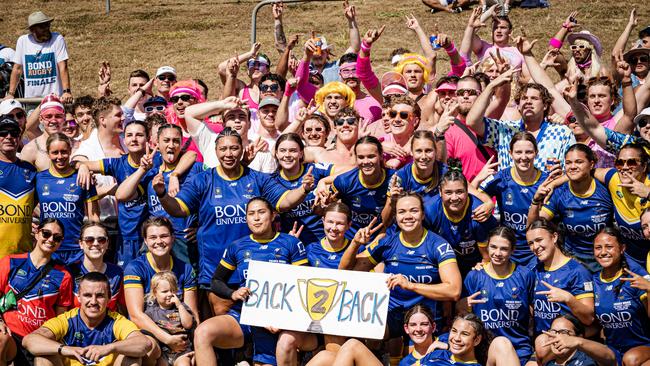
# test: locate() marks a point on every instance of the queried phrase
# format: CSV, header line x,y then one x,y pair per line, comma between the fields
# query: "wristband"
x,y
555,43
451,48
365,47
535,202
60,349
625,84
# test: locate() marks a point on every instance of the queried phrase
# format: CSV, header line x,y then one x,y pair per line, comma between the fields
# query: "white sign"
x,y
316,300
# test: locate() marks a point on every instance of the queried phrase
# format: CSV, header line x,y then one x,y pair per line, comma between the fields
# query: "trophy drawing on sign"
x,y
320,296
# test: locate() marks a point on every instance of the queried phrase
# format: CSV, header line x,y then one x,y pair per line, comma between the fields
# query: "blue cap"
x,y
155,100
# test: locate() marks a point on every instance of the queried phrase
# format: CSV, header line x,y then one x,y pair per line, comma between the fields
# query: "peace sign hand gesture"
x,y
636,281
308,181
474,299
555,294
363,235
296,231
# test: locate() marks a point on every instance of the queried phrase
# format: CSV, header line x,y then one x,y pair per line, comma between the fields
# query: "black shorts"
x,y
23,357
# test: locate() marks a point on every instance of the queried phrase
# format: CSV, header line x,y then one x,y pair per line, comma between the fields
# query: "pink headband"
x,y
180,90
446,86
52,105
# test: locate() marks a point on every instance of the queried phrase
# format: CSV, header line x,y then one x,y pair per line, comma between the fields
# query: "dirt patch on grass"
x,y
194,36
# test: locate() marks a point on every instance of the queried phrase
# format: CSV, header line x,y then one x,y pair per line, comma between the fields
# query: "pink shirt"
x,y
512,53
369,108
461,146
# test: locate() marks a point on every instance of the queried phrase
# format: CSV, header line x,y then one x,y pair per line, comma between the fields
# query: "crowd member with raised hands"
x,y
514,189
158,235
229,282
404,115
94,243
638,56
49,291
217,201
144,179
567,342
501,284
51,116
313,128
457,224
257,65
562,285
410,282
60,197
289,151
620,290
583,205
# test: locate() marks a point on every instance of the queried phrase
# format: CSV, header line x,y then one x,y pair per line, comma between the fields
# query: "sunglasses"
x,y
642,123
252,64
575,47
636,59
631,163
462,92
342,121
272,88
167,77
48,117
151,108
18,115
14,133
184,98
402,115
46,234
316,129
91,239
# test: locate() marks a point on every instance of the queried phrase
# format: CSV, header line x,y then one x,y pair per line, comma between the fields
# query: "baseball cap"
x,y
37,17
446,86
269,101
154,100
644,113
51,101
9,105
393,83
165,70
8,123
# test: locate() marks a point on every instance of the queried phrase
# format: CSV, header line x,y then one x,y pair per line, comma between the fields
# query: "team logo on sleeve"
x,y
589,286
217,193
46,190
509,198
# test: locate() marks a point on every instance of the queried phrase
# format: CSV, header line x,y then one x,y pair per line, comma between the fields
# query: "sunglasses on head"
x,y
184,98
254,64
91,239
575,47
272,88
167,77
402,115
18,115
631,163
349,120
641,58
462,92
151,108
14,133
55,237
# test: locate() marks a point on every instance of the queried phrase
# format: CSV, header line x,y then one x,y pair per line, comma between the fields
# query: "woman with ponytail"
x,y
621,299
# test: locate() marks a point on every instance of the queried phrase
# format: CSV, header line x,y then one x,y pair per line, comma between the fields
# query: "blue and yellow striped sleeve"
x,y
59,324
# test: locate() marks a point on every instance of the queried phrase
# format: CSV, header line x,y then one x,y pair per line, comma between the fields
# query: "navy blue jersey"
x,y
138,274
514,198
366,202
579,358
130,214
444,357
427,188
303,214
572,277
621,311
61,198
507,310
420,263
115,276
17,187
321,254
283,248
465,235
582,216
156,209
221,206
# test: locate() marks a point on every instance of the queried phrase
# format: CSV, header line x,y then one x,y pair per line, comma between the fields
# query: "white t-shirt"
x,y
6,55
92,150
206,140
39,61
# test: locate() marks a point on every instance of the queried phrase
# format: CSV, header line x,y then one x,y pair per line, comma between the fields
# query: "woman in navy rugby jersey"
x,y
583,205
263,244
289,152
61,198
403,254
514,189
621,299
451,216
563,285
501,293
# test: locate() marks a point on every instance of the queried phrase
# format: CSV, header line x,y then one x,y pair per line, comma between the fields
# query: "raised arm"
x,y
540,76
128,190
278,30
593,128
621,42
282,68
413,24
364,68
359,262
195,114
139,94
355,38
222,68
475,115
230,87
470,41
623,71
